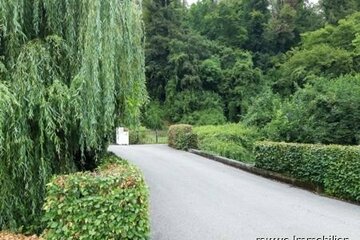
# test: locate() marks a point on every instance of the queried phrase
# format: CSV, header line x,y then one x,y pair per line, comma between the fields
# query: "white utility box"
x,y
122,136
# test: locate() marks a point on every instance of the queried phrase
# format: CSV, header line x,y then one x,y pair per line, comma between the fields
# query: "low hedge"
x,y
181,137
333,168
234,141
109,203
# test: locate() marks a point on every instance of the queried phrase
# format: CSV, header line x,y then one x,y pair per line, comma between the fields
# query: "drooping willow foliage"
x,y
70,70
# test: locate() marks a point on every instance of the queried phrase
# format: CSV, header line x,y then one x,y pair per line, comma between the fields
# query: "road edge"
x,y
250,168
260,172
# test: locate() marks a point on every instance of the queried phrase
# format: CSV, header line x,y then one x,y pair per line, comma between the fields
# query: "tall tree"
x,y
337,9
163,22
328,52
74,69
289,19
220,21
256,15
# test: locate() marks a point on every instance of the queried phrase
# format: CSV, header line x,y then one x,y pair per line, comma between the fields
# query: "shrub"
x,y
137,136
333,168
263,109
325,112
110,203
231,140
181,136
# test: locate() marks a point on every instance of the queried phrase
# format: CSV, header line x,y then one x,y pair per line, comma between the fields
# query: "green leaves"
x,y
181,137
73,71
323,112
234,141
335,9
328,52
110,203
333,168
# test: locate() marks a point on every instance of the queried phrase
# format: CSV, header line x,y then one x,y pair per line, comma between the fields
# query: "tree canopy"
x,y
256,62
70,72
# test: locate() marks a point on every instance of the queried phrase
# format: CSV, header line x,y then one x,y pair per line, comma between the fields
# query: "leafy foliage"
x,y
305,65
324,112
288,69
163,23
110,203
181,137
74,69
336,10
263,109
328,52
153,115
241,84
219,21
197,74
137,135
234,141
289,19
336,169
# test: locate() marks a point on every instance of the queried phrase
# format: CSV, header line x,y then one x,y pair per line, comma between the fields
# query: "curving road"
x,y
193,198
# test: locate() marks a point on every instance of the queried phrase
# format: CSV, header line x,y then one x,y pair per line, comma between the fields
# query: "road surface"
x,y
193,198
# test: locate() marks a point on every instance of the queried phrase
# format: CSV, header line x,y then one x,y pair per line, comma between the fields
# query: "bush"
x,y
333,168
231,140
324,112
181,136
137,136
263,109
110,203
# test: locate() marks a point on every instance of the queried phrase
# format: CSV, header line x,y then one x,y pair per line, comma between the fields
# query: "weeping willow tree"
x,y
70,71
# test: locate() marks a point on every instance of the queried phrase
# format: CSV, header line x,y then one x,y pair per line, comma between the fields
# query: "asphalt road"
x,y
193,198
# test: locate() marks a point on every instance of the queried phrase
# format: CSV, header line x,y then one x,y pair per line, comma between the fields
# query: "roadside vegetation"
x,y
333,169
111,202
234,141
228,73
247,71
70,72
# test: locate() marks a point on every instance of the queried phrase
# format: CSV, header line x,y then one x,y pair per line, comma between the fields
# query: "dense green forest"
x,y
289,68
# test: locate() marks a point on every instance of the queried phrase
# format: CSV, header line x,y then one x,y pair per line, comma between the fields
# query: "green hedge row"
x,y
335,169
110,203
234,141
181,136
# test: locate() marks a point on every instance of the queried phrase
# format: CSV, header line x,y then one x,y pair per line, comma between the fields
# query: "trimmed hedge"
x,y
234,141
110,203
181,137
333,168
